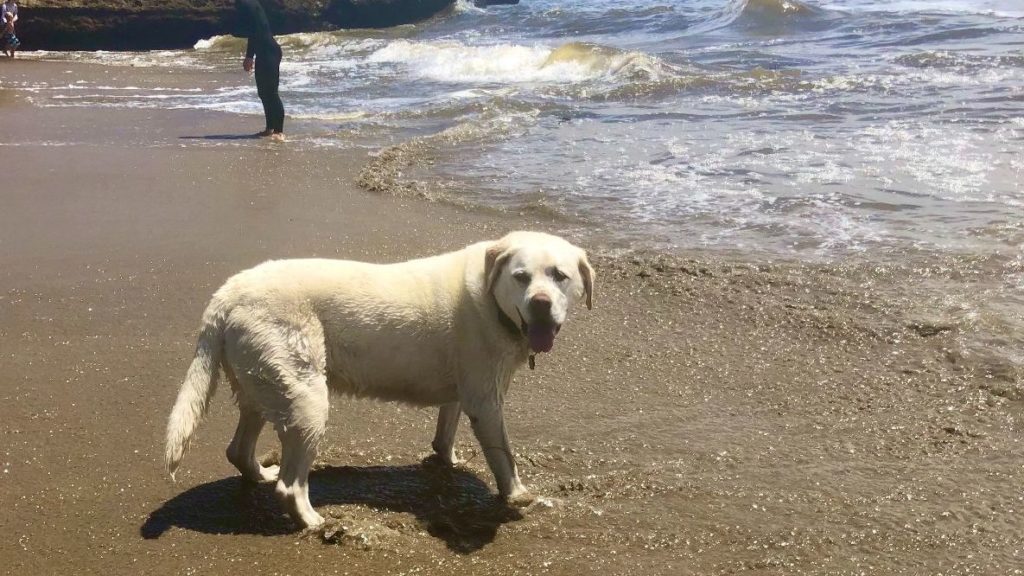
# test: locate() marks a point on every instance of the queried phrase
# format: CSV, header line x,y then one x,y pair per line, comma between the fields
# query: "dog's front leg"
x,y
444,439
489,427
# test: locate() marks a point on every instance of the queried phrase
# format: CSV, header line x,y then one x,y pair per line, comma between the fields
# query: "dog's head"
x,y
535,279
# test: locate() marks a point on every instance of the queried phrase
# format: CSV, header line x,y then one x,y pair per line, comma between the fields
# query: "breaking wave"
x,y
455,62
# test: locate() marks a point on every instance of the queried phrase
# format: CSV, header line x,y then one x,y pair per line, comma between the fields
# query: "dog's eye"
x,y
557,275
521,276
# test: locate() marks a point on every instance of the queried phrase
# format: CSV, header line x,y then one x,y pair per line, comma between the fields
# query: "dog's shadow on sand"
x,y
451,504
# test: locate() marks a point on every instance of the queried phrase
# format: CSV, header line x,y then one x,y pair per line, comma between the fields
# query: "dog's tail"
x,y
197,389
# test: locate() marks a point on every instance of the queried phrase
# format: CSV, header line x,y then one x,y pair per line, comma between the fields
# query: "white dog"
x,y
449,330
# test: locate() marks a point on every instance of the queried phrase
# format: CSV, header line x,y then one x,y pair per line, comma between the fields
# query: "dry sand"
x,y
714,414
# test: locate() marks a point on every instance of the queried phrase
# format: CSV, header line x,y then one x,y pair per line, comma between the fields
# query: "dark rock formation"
x,y
381,13
165,24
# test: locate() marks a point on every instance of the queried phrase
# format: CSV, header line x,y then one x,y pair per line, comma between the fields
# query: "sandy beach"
x,y
714,413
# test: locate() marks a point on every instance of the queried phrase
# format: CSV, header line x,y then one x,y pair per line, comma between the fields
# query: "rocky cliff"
x,y
162,24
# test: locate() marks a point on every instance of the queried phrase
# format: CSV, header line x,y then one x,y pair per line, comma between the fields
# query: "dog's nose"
x,y
540,305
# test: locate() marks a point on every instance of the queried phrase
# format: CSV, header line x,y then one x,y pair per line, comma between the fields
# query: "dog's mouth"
x,y
541,335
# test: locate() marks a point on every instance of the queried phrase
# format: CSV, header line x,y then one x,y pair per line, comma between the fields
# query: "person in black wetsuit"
x,y
266,53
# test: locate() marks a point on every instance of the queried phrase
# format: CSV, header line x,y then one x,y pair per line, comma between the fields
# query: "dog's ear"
x,y
494,260
587,274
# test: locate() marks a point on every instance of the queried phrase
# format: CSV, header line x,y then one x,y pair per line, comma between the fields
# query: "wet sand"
x,y
714,414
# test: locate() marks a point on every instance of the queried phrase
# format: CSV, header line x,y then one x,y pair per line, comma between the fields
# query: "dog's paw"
x,y
520,500
440,461
541,503
446,457
269,473
308,519
528,503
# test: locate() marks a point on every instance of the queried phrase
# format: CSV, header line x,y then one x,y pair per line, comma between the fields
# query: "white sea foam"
x,y
467,6
212,42
84,85
950,162
455,62
123,97
915,79
1007,8
152,59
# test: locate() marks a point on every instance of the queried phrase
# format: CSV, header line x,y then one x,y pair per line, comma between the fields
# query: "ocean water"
x,y
877,132
881,134
814,129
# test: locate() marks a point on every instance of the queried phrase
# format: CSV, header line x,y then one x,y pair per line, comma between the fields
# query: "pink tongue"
x,y
542,338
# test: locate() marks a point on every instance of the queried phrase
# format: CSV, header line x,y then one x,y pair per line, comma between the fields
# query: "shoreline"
x,y
712,414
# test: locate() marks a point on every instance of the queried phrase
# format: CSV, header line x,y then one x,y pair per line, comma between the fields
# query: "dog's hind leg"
x,y
300,435
242,450
280,368
444,438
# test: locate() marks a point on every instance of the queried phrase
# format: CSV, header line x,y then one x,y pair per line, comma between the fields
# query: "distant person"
x,y
8,16
266,53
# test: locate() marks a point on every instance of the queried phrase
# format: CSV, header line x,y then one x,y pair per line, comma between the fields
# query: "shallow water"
x,y
889,132
813,129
